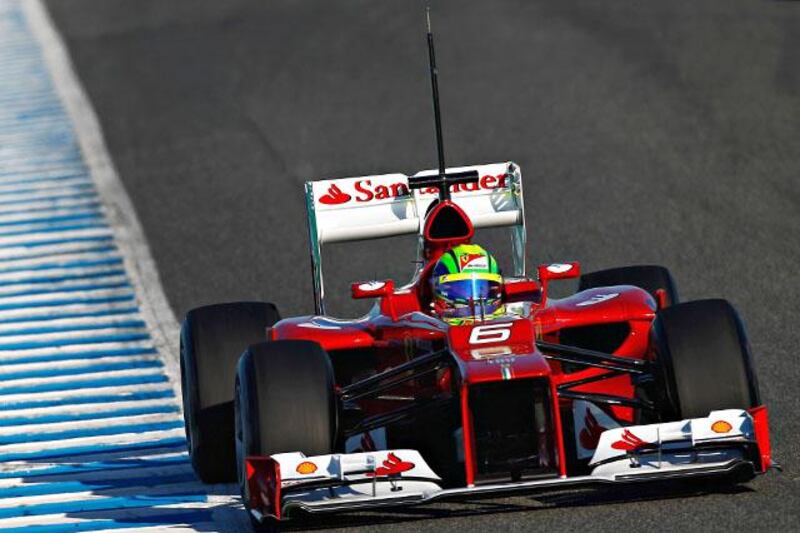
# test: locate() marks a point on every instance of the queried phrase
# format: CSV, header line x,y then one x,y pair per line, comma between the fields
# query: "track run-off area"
x,y
91,430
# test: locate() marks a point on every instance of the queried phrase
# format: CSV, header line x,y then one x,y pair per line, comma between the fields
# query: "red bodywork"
x,y
401,330
424,382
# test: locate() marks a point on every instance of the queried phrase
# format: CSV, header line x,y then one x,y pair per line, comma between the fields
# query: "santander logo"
x,y
334,196
629,442
392,466
365,191
590,434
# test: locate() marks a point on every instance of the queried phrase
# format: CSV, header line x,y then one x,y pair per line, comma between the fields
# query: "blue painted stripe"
x,y
60,316
91,248
49,198
84,384
21,146
39,124
35,436
71,341
118,502
84,184
51,242
93,449
80,370
123,324
83,400
193,516
22,115
61,290
76,470
97,486
91,204
96,214
35,280
55,229
94,415
67,301
59,265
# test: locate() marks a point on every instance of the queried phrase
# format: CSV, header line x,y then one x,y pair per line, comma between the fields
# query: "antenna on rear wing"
x,y
444,191
443,181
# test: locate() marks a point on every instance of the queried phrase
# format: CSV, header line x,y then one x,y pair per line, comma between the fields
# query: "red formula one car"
x,y
464,383
617,383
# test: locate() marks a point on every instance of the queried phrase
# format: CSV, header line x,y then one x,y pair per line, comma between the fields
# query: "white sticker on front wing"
x,y
597,298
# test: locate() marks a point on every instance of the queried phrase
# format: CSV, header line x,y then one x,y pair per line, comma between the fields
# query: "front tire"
x,y
284,402
704,359
212,339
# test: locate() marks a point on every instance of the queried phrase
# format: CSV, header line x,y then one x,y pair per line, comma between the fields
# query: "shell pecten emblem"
x,y
306,467
721,426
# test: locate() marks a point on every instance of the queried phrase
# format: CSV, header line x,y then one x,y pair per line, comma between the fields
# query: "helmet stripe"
x,y
450,262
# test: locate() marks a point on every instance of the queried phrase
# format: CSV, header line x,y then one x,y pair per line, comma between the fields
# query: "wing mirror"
x,y
557,271
517,290
371,289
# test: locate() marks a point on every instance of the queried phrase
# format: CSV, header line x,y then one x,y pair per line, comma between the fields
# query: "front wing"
x,y
724,442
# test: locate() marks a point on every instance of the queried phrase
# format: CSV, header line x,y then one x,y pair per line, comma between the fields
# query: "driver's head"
x,y
467,285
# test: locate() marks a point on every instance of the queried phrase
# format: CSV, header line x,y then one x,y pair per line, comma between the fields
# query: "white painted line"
x,y
18,277
74,351
151,512
73,397
63,261
80,379
74,365
16,343
124,438
44,312
16,289
81,409
32,239
88,425
59,187
118,476
181,458
20,218
44,298
71,322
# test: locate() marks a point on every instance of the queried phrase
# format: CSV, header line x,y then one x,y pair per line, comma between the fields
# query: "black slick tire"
x,y
284,402
212,340
703,360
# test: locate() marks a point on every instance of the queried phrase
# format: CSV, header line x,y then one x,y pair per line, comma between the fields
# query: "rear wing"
x,y
374,207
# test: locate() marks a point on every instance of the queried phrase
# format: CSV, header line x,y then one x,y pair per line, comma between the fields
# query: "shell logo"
x,y
721,426
306,467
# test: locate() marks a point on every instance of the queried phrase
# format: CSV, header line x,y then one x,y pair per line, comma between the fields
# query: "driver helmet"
x,y
467,285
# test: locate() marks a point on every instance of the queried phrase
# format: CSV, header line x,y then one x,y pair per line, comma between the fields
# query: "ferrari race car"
x,y
618,383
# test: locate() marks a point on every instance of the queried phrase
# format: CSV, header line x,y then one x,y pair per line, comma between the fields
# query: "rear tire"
x,y
212,339
648,277
704,358
284,402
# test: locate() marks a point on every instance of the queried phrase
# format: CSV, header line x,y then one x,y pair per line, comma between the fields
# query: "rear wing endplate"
x,y
374,207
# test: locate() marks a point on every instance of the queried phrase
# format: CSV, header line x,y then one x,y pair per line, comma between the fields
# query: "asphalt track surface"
x,y
647,133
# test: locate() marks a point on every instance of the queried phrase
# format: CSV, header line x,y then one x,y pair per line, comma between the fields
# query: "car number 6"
x,y
490,333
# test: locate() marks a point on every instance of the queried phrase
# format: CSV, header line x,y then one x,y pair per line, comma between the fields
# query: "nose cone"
x,y
497,350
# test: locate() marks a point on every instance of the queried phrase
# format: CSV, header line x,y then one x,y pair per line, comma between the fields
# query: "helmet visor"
x,y
468,294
